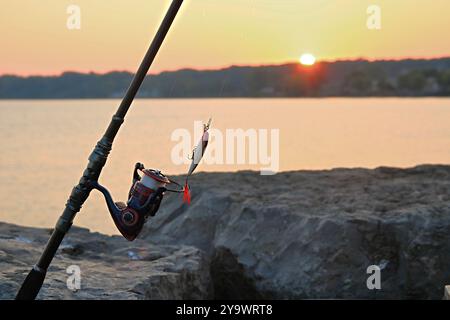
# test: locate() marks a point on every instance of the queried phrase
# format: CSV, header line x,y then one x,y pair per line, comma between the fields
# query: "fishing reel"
x,y
147,192
144,199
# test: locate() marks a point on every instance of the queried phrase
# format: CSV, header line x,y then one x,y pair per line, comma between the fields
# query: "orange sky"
x,y
115,34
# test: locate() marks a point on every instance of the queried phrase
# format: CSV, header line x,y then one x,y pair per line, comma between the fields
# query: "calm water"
x,y
45,144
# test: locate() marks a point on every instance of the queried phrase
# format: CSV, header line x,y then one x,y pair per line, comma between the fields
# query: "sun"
x,y
307,59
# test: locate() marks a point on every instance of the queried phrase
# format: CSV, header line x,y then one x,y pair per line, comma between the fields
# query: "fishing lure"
x,y
197,155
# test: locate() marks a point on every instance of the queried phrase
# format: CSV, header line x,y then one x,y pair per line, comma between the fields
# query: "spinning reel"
x,y
144,199
147,192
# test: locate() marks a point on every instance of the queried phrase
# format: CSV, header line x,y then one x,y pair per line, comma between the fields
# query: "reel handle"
x,y
180,189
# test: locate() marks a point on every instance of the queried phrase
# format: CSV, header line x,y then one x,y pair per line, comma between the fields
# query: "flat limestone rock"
x,y
110,267
314,234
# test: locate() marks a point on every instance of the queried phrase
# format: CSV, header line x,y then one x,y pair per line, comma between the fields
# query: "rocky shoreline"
x,y
110,266
295,235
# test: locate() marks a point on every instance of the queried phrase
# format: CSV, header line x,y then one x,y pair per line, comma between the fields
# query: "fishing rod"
x,y
34,280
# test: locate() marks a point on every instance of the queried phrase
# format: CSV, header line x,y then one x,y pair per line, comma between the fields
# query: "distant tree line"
x,y
341,78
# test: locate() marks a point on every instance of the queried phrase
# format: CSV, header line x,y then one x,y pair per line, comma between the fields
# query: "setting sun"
x,y
307,59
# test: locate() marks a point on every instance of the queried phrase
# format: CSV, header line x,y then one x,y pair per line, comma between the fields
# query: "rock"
x,y
313,234
108,270
305,234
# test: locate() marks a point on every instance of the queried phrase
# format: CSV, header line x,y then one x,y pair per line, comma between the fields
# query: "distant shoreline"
x,y
237,98
220,68
343,79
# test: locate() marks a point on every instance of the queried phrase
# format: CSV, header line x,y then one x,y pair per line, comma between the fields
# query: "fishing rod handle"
x,y
35,278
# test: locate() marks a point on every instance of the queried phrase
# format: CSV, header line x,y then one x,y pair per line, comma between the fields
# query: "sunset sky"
x,y
115,34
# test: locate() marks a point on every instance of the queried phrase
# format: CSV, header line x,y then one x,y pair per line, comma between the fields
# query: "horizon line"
x,y
220,68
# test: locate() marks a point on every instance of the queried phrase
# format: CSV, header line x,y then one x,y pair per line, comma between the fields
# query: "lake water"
x,y
45,144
